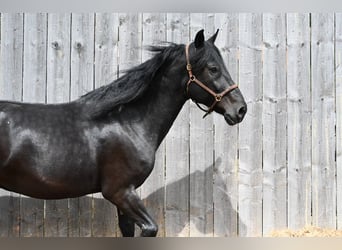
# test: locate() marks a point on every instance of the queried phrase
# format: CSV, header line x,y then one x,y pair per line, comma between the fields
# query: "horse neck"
x,y
161,104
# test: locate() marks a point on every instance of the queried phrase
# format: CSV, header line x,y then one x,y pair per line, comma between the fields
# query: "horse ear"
x,y
199,39
213,38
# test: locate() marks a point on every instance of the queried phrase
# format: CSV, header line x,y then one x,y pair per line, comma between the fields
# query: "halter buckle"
x,y
188,67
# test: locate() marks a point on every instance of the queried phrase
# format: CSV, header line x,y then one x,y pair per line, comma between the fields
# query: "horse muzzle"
x,y
236,117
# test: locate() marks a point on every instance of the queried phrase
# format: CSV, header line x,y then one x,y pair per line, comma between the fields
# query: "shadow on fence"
x,y
156,198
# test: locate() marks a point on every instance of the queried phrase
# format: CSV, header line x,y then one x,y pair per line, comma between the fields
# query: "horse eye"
x,y
213,69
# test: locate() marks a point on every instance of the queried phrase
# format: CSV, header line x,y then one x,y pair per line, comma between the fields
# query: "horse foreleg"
x,y
133,209
126,225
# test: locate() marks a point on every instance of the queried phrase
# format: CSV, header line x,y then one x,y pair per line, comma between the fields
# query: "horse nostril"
x,y
242,111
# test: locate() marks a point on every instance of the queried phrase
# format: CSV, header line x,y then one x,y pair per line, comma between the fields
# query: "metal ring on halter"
x,y
218,98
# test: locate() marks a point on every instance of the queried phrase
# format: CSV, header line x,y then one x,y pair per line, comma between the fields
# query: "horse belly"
x,y
32,184
39,170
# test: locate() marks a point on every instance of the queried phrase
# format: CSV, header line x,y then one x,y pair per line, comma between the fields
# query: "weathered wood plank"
x,y
12,54
274,122
177,148
58,59
225,191
106,48
323,121
82,54
58,90
201,151
11,89
130,41
250,130
104,218
154,31
299,120
338,96
34,90
35,39
82,81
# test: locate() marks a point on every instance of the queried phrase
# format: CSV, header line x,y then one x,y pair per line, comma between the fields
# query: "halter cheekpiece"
x,y
193,79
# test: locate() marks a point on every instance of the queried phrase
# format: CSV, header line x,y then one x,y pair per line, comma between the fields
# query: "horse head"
x,y
210,82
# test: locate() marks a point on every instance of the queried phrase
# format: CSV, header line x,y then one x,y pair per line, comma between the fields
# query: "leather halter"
x,y
193,79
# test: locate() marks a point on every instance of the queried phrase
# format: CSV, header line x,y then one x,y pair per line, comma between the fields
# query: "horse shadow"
x,y
212,215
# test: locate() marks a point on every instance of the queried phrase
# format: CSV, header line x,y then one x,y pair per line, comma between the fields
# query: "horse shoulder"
x,y
125,155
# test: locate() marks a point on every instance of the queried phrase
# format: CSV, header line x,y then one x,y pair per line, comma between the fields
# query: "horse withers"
x,y
106,140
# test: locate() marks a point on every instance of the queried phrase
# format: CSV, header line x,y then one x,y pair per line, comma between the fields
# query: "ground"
x,y
308,231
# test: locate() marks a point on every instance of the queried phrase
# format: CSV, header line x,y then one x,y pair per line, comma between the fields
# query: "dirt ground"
x,y
308,231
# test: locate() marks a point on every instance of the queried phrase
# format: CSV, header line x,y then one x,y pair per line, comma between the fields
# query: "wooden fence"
x,y
280,168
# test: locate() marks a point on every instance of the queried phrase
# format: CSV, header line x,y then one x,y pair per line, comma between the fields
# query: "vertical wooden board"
x,y
201,151
12,50
106,46
56,218
299,120
250,130
225,190
31,217
104,218
152,191
74,208
11,89
130,40
34,90
338,67
129,48
274,120
323,121
58,90
58,58
82,81
177,148
82,54
35,41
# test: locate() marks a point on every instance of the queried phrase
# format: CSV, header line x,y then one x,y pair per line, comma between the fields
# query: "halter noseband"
x,y
193,79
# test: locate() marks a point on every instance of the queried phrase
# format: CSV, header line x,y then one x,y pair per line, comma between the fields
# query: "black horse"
x,y
106,140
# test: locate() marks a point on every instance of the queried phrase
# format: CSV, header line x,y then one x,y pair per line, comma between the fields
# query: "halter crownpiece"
x,y
193,79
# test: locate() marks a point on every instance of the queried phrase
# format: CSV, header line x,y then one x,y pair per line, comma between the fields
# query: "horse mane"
x,y
132,85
